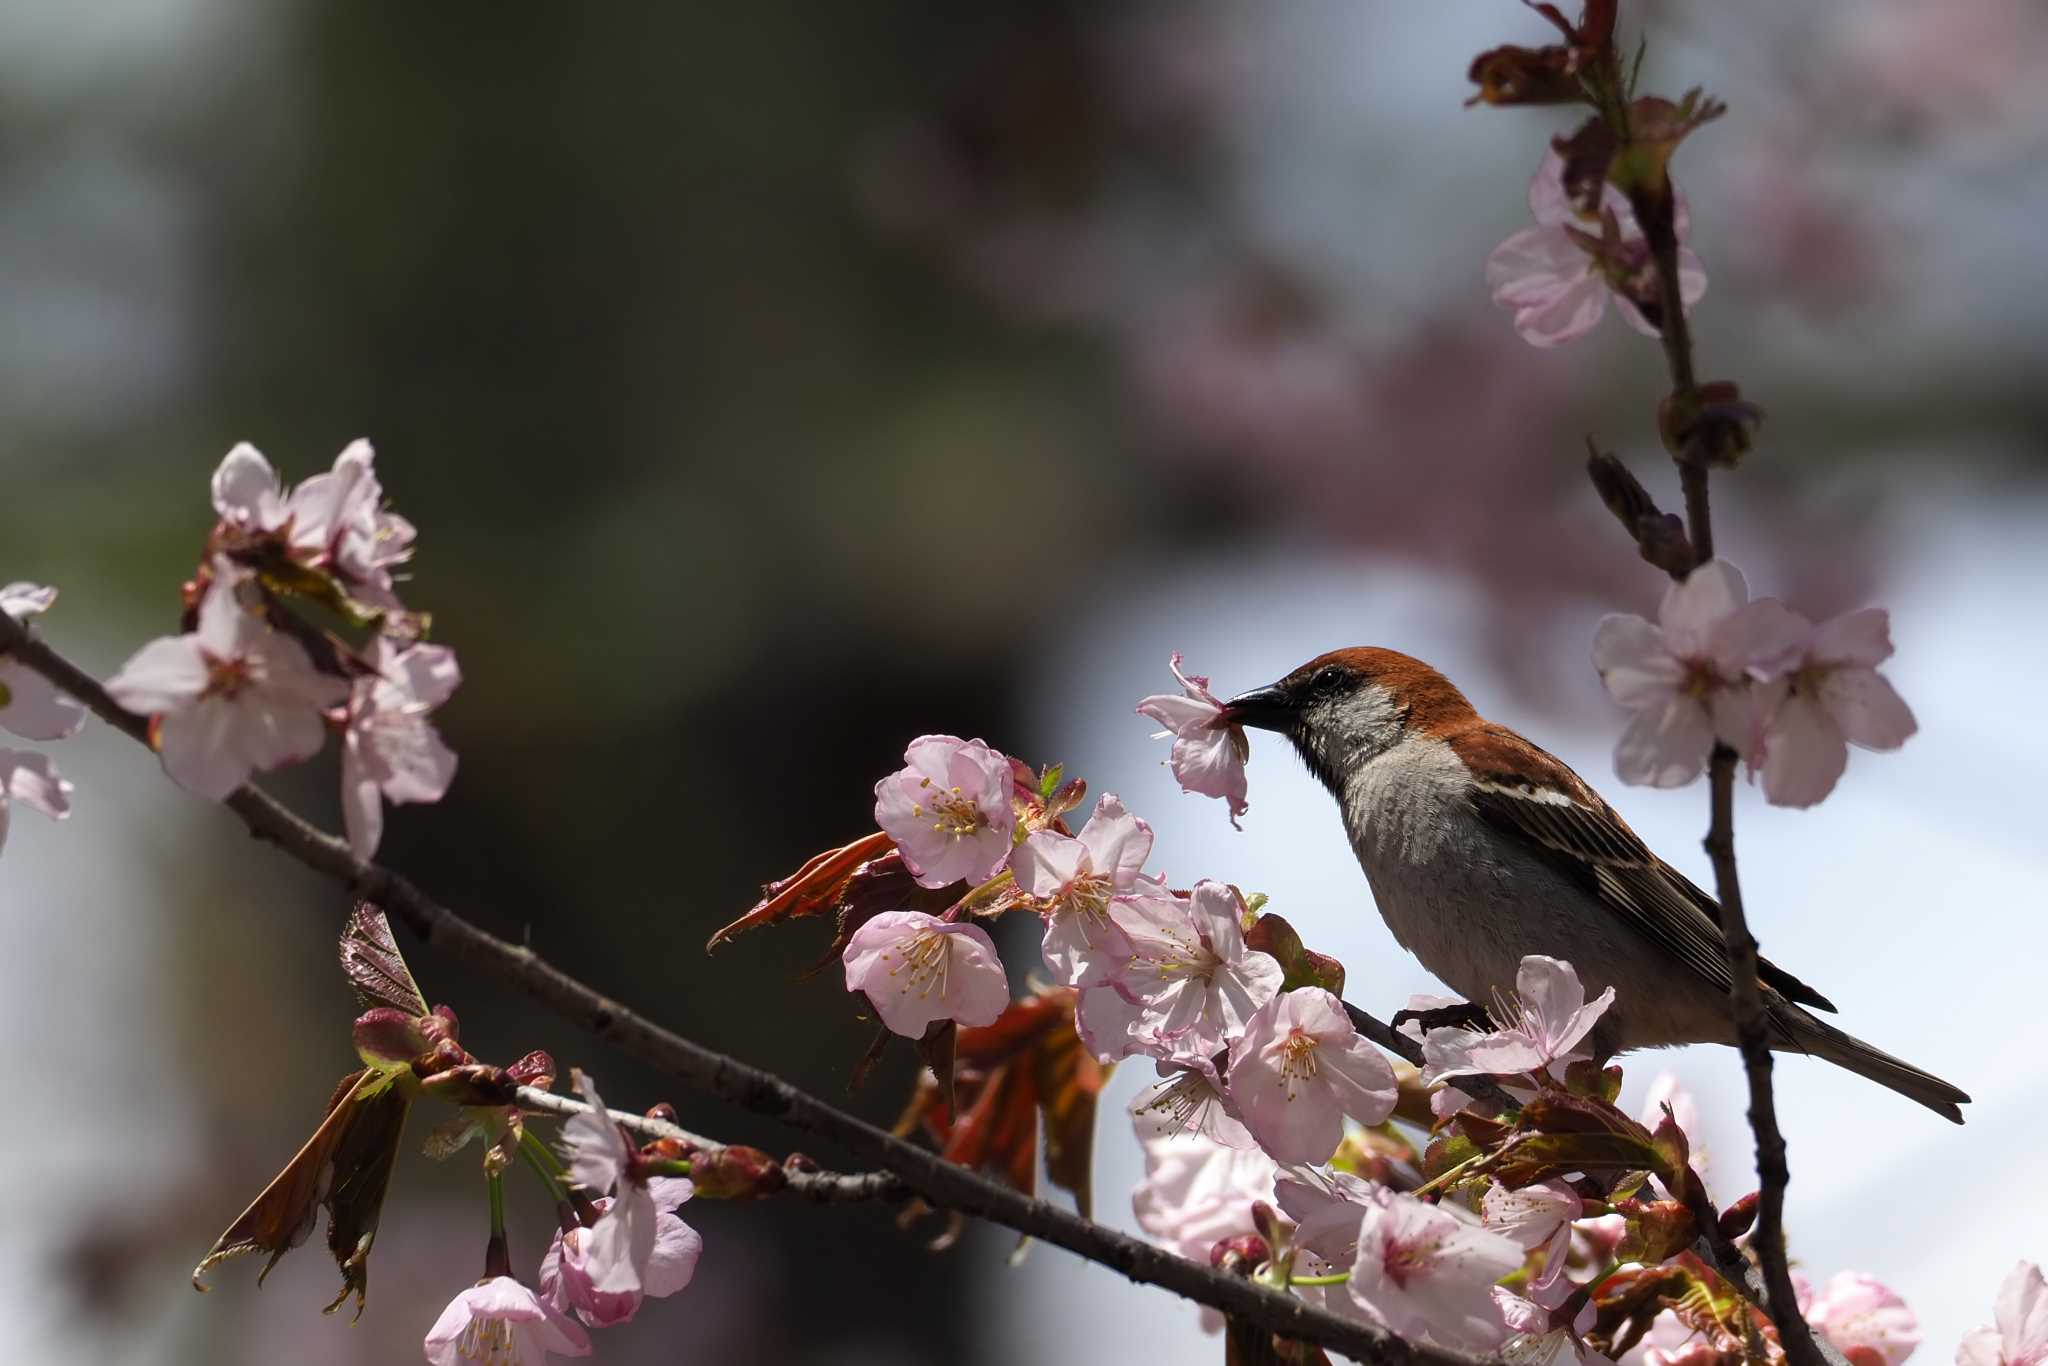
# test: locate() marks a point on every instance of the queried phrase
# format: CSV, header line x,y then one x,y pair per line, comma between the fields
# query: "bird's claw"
x,y
1465,1015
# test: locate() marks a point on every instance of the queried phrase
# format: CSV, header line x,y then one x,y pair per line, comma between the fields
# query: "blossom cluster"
x,y
33,709
252,684
1786,695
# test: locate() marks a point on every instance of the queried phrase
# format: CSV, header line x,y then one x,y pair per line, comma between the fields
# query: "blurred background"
x,y
774,383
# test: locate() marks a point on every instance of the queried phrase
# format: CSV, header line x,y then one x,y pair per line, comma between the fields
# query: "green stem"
x,y
498,1252
1332,1278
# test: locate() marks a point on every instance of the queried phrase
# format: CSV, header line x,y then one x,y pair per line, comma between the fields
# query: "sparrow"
x,y
1481,847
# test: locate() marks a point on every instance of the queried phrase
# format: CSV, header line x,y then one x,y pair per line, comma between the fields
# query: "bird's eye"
x,y
1326,677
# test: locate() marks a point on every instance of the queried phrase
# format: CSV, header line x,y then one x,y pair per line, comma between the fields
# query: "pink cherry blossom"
x,y
1534,1217
500,1320
1189,985
1666,1089
1541,1029
948,809
32,780
1208,757
1427,1272
1534,1342
916,968
615,1251
565,1272
2021,1337
30,706
1300,1069
1074,879
1687,678
1189,1098
334,521
234,696
1865,1319
1197,1192
1327,1207
390,749
1558,275
1830,697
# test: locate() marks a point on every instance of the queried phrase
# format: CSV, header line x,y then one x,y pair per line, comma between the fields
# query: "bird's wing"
x,y
1529,795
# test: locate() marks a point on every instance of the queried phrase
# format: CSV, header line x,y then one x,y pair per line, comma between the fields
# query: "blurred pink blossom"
x,y
948,809
565,1274
1197,1192
1558,275
30,706
613,1254
234,696
32,780
916,968
1866,1319
335,520
1300,1069
2021,1313
1189,1098
1208,757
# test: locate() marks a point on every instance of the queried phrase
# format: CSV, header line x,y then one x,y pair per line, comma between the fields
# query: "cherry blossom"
x,y
1831,697
1300,1069
1208,756
334,520
30,706
1189,1098
2021,1337
1327,1207
500,1320
1558,275
1534,1342
390,749
1427,1272
1073,878
32,780
1541,1028
566,1278
1866,1319
1666,1089
948,809
1687,677
916,968
1197,1192
233,696
1189,985
615,1251
1534,1217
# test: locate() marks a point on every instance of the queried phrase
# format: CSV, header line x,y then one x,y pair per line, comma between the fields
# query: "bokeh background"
x,y
773,383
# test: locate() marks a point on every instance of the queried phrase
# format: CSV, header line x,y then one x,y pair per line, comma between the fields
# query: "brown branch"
x,y
1752,1022
941,1184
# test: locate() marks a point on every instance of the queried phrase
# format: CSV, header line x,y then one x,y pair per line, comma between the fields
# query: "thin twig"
x,y
940,1183
823,1187
1752,1021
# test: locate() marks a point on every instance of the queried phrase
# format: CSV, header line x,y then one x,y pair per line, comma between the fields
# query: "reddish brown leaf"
x,y
811,889
1026,1070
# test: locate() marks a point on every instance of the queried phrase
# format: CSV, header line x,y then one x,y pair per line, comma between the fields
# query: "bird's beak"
x,y
1267,708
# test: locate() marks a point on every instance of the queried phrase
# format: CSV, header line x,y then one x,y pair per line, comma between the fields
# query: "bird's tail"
x,y
1808,1035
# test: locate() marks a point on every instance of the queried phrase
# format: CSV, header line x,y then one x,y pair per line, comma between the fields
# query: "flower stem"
x,y
1331,1278
498,1252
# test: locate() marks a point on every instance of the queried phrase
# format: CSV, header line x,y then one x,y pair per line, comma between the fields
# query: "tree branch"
x,y
922,1172
1752,1022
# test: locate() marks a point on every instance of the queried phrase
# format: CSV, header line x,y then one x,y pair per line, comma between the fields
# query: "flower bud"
x,y
441,1025
388,1038
536,1069
1240,1255
1736,1219
472,1083
735,1173
1526,75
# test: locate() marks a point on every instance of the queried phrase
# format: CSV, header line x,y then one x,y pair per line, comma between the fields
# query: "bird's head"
x,y
1348,707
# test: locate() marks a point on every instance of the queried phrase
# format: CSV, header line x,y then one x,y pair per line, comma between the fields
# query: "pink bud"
x,y
386,1037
